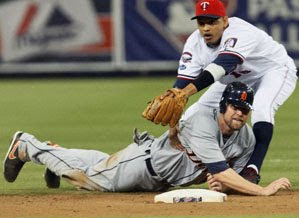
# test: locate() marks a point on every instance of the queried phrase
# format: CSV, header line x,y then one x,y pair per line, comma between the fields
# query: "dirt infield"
x,y
142,204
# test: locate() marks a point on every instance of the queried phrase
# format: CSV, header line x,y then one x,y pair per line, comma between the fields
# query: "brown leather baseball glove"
x,y
166,108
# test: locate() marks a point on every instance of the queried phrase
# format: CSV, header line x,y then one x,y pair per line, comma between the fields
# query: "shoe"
x,y
52,180
12,163
251,175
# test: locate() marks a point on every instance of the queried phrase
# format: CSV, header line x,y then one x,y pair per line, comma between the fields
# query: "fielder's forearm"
x,y
190,89
234,181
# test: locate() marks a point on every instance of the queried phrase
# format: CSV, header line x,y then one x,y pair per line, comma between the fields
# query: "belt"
x,y
150,167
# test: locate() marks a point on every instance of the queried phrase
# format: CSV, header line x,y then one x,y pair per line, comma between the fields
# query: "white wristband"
x,y
216,71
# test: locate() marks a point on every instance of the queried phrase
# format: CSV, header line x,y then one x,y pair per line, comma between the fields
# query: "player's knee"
x,y
262,115
79,179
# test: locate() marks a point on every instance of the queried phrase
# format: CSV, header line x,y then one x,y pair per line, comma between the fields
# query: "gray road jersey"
x,y
200,135
175,166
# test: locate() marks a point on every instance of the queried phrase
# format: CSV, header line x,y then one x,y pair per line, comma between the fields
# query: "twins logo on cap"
x,y
209,8
204,5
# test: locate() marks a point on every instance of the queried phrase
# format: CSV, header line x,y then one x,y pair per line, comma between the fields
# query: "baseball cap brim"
x,y
205,16
239,103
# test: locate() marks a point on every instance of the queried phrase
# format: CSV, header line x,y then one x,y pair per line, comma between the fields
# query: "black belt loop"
x,y
150,167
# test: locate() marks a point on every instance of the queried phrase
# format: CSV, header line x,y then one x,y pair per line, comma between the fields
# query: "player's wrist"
x,y
215,70
190,90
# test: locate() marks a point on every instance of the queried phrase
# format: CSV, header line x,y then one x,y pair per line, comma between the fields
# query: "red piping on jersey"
x,y
280,88
233,53
185,78
188,53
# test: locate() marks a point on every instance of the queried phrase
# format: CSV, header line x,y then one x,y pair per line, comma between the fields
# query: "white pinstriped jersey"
x,y
266,67
258,51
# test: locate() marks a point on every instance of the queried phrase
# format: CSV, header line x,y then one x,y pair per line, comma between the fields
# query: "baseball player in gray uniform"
x,y
218,143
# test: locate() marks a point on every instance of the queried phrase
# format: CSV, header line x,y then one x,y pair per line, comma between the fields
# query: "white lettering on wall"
x,y
292,41
273,9
293,34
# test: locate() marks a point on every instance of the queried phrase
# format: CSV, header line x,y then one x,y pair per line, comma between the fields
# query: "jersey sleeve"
x,y
189,67
238,42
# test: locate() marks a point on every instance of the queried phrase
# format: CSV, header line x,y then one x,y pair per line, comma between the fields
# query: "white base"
x,y
190,195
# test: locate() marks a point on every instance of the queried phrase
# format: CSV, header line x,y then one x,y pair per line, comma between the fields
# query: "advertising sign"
x,y
39,27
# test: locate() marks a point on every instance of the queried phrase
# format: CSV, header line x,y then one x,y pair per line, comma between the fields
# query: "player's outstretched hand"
x,y
213,184
166,108
275,186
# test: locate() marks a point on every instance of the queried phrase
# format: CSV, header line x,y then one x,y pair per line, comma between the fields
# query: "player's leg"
x,y
91,157
273,90
128,170
68,163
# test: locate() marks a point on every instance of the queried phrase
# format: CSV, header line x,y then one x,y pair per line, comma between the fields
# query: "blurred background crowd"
x,y
119,36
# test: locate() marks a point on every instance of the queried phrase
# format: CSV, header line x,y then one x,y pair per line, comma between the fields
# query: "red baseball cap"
x,y
209,8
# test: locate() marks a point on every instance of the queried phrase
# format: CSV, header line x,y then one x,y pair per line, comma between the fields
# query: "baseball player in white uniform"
x,y
220,147
225,49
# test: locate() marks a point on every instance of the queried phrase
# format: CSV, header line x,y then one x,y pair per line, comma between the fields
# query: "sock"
x,y
263,132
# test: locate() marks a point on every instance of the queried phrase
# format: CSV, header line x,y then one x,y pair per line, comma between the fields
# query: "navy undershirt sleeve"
x,y
217,167
228,61
181,83
203,80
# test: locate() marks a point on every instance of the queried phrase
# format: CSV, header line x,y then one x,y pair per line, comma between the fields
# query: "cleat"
x,y
12,163
251,175
52,180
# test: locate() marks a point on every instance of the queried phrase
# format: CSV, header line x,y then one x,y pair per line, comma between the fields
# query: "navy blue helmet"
x,y
237,94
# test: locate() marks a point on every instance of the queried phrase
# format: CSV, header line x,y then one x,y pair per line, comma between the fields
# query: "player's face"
x,y
235,117
211,30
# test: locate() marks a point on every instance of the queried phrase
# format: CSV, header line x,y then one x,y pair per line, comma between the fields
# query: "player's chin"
x,y
237,124
209,40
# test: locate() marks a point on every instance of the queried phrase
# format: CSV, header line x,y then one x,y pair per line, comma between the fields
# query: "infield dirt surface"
x,y
141,204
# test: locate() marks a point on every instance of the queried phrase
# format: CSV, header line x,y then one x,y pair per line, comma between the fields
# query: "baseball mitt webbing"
x,y
166,108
